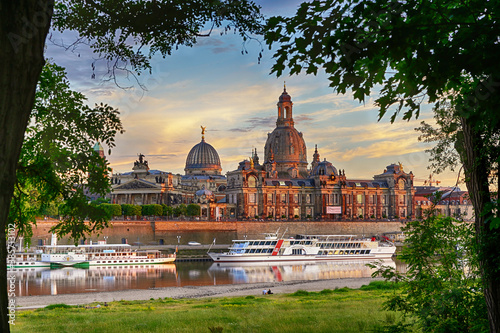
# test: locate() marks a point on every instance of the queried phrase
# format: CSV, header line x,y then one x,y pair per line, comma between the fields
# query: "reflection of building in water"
x,y
97,278
272,272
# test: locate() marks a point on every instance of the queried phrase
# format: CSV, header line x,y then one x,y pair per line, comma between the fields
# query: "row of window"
x,y
122,261
330,199
444,202
339,245
343,252
255,243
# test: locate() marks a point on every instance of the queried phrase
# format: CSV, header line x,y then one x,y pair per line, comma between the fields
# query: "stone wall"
x,y
145,232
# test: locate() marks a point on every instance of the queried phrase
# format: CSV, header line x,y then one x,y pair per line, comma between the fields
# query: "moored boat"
x,y
305,248
102,254
83,256
28,260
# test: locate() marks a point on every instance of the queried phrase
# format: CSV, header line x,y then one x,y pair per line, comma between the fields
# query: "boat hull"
x,y
123,262
222,257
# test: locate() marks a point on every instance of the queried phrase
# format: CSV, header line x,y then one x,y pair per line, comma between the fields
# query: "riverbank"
x,y
33,302
225,309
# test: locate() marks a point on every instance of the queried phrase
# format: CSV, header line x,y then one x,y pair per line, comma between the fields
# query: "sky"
x,y
216,86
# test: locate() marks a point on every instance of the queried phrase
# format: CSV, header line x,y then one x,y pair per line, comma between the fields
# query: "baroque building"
x,y
283,186
202,182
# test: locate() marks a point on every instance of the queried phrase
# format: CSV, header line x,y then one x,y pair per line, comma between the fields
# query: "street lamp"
x,y
178,239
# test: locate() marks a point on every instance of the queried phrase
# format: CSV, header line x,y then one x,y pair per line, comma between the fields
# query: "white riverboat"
x,y
28,260
100,254
305,248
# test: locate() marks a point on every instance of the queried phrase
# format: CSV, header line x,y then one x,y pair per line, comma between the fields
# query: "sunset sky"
x,y
214,85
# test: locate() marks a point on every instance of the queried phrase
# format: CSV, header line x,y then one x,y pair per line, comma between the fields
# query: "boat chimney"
x,y
53,241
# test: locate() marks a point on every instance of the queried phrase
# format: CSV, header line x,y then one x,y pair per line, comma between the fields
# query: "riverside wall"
x,y
181,232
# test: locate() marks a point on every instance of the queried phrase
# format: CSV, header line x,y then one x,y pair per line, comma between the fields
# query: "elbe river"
x,y
43,281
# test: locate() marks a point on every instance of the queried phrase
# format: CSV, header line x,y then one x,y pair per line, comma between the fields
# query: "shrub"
x,y
112,209
326,292
152,210
58,306
193,210
180,210
379,285
300,292
131,210
167,210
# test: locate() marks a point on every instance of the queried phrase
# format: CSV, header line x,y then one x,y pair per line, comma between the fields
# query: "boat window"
x,y
258,251
262,243
268,243
252,251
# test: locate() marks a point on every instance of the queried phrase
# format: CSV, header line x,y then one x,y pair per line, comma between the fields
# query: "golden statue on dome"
x,y
203,132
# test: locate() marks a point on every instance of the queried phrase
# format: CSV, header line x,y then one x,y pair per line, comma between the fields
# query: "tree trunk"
x,y
23,28
477,171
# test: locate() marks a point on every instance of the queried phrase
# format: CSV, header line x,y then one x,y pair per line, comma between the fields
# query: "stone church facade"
x,y
283,186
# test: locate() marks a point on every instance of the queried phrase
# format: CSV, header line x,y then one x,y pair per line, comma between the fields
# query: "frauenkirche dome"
x,y
285,145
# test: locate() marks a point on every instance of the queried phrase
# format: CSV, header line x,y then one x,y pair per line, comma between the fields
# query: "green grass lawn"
x,y
341,310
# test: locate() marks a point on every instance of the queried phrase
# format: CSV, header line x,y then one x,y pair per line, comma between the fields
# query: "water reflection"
x,y
42,281
270,272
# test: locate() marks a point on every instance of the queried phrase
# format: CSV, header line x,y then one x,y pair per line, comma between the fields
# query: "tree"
x,y
57,164
152,210
112,209
57,161
193,210
441,286
167,210
180,210
131,210
440,52
109,26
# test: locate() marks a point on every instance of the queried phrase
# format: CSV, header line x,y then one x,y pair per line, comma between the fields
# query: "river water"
x,y
33,281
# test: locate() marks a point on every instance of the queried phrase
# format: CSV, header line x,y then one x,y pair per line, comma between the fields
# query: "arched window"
x,y
252,182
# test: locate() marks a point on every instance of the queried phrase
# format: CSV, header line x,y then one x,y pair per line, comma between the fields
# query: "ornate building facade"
x,y
284,187
202,183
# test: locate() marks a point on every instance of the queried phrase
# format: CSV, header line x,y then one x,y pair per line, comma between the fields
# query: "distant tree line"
x,y
150,210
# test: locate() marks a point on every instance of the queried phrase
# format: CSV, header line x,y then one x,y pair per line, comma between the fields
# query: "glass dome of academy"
x,y
203,159
283,185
